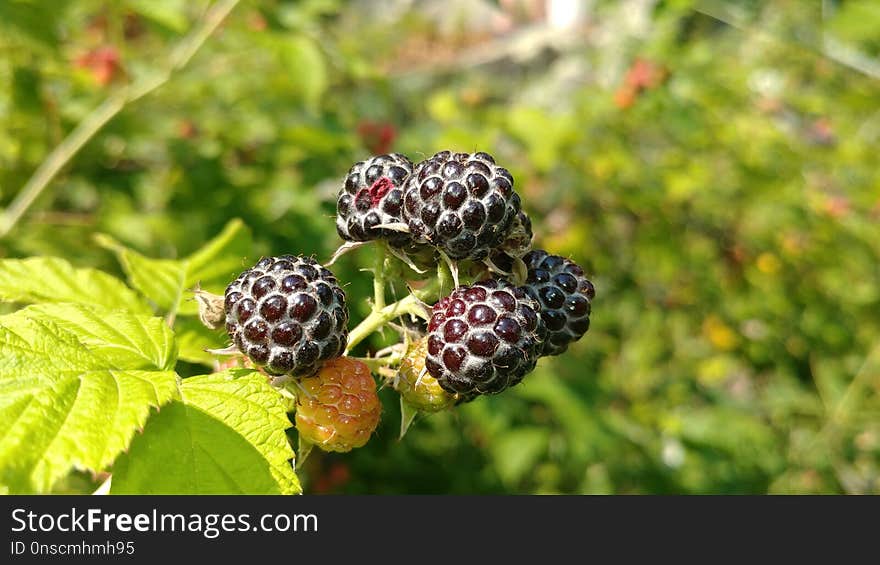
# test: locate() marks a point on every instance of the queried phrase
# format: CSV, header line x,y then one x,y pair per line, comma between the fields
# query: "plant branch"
x,y
98,118
378,318
379,277
375,363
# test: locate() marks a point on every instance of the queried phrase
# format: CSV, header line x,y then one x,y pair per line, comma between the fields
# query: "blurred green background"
x,y
713,165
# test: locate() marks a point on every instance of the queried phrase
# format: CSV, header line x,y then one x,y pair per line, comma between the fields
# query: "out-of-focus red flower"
x,y
378,137
624,97
769,104
642,75
103,63
256,21
335,477
187,129
837,206
821,132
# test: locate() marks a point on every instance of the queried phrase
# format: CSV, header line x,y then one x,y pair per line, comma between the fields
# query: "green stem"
x,y
844,407
444,277
379,277
378,318
374,363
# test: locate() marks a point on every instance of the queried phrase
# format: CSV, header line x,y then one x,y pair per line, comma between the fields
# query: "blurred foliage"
x,y
713,165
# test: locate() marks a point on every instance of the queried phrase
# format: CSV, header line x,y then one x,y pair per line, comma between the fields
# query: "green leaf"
x,y
52,280
742,436
65,406
517,451
225,436
193,338
169,13
122,339
33,23
304,60
168,282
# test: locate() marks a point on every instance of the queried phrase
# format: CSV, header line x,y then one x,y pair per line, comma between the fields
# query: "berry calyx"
x,y
507,257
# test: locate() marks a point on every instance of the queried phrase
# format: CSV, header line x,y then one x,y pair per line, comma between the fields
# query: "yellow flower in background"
x,y
793,244
768,263
719,334
714,371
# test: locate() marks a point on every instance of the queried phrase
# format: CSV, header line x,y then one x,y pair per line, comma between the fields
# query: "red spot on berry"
x,y
379,189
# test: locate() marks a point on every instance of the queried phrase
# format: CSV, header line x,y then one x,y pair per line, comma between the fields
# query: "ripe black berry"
x,y
462,203
372,195
483,338
565,296
287,314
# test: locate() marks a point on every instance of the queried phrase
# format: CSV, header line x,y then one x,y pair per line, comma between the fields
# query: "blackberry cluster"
x,y
483,338
372,195
461,203
287,314
565,296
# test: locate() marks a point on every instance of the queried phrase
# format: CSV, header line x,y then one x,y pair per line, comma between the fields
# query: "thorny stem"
x,y
115,103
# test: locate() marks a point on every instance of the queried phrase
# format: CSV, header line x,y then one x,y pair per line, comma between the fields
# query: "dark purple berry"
x,y
273,308
462,204
286,315
483,338
375,186
565,296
